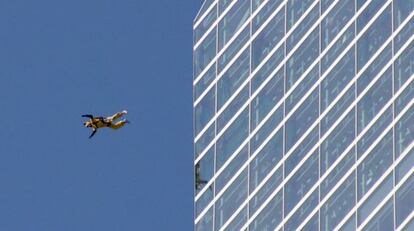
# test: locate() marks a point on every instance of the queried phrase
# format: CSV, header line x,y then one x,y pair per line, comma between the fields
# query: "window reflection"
x,y
376,66
302,28
337,48
230,201
295,9
206,222
232,138
232,168
268,68
266,99
404,66
205,110
233,49
301,89
232,79
383,220
404,200
238,222
374,37
375,199
268,127
302,150
337,110
270,216
232,108
302,119
336,20
204,53
205,24
404,132
204,140
204,82
266,160
267,39
402,8
376,129
233,21
336,143
264,13
302,58
268,188
374,100
338,205
337,79
300,214
374,165
301,182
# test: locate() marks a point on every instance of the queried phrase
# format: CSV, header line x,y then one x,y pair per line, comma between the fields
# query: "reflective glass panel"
x,y
266,160
232,79
267,39
268,127
374,100
336,20
230,201
383,220
268,188
264,13
336,143
337,79
204,53
301,182
205,223
302,119
233,21
302,58
404,200
232,168
374,199
268,68
295,9
232,138
205,24
270,216
372,71
204,140
234,106
302,212
266,99
374,165
302,28
205,110
233,49
374,37
338,205
204,82
404,66
301,89
404,131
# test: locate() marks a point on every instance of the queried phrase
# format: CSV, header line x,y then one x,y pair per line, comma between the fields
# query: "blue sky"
x,y
61,59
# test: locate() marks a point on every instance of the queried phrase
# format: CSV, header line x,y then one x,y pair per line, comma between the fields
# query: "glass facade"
x,y
304,115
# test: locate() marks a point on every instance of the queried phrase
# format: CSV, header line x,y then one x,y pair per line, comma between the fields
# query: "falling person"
x,y
100,122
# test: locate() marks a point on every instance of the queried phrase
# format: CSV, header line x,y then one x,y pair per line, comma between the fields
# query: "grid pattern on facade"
x,y
304,115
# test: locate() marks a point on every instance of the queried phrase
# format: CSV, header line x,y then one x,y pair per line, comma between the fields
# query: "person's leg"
x,y
119,124
116,116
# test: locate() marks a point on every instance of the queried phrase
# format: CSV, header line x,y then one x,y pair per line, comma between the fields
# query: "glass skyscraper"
x,y
304,115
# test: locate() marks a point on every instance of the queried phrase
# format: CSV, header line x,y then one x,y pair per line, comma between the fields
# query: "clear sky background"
x,y
60,59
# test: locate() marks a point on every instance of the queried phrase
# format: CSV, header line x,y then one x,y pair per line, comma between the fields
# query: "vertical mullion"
x,y
319,105
356,111
393,113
